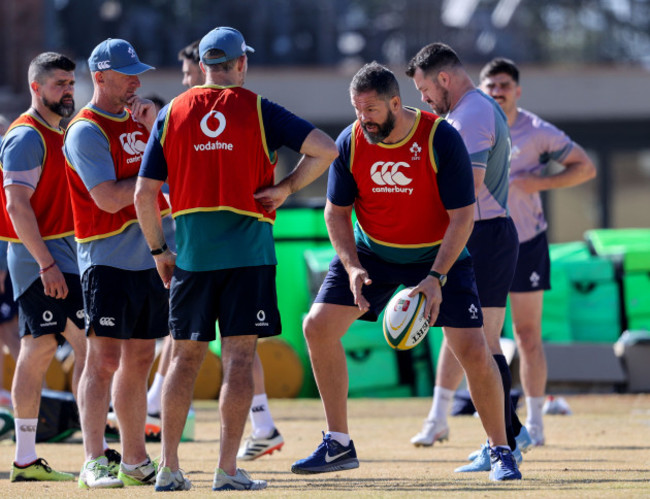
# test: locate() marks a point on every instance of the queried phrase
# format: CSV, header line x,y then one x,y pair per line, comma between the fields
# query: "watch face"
x,y
443,279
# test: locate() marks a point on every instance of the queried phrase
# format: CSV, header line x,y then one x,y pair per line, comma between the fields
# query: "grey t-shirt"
x,y
484,128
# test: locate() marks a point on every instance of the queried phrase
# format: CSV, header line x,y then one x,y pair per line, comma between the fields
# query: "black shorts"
x,y
39,314
460,304
533,271
494,246
125,304
244,301
8,307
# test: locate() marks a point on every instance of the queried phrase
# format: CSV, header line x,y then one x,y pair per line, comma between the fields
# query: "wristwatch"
x,y
441,277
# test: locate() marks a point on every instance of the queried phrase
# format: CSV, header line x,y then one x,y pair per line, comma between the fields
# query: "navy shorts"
x,y
8,307
39,314
460,304
125,304
494,246
533,271
244,301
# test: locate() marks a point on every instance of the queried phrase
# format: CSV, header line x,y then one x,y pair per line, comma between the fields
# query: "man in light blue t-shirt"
x,y
441,79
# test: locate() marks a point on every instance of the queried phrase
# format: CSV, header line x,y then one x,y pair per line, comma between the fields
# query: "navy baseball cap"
x,y
118,55
228,40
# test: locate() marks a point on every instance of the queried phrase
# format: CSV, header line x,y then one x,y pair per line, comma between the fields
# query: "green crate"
x,y
399,391
639,322
636,289
575,261
593,301
300,223
632,245
365,335
596,332
372,368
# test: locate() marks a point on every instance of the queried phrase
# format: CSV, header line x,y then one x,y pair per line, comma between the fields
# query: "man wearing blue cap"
x,y
123,296
216,146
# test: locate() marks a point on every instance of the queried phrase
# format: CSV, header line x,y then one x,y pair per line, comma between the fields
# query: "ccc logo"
x,y
209,131
131,144
388,173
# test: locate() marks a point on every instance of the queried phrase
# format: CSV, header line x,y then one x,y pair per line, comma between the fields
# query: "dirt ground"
x,y
601,450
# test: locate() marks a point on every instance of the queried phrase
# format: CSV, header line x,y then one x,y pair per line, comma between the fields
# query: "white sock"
x,y
342,438
105,445
131,467
25,441
534,406
441,406
154,395
260,415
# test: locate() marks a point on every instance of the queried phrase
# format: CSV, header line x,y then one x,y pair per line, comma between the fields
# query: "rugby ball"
x,y
404,322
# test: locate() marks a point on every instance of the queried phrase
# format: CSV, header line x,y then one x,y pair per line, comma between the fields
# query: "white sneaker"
x,y
252,448
536,433
166,480
95,475
432,431
556,405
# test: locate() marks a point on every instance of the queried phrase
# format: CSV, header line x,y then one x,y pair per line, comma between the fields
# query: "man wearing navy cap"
x,y
123,296
217,147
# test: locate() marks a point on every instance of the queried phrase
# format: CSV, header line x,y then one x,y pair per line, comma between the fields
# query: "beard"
x,y
443,106
62,109
383,130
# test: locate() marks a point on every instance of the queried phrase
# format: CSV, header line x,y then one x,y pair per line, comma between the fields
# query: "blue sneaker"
x,y
524,441
524,444
330,455
481,461
504,466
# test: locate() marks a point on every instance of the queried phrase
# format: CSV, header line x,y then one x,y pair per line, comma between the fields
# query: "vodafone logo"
x,y
207,127
207,130
132,144
388,174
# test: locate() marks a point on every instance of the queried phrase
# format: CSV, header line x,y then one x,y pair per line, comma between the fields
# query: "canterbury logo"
x,y
131,144
257,408
107,321
388,173
209,131
103,65
26,427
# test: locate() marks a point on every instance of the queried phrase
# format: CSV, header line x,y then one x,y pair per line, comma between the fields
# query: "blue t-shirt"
x,y
221,239
455,185
88,150
21,156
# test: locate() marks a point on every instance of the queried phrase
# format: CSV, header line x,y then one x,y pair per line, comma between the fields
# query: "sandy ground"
x,y
602,450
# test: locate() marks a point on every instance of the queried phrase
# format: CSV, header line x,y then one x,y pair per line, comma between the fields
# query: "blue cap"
x,y
118,55
228,40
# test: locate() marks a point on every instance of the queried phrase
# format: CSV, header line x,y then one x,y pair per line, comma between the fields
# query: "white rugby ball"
x,y
404,323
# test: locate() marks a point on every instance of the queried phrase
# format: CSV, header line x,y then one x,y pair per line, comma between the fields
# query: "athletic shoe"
x,y
7,424
145,474
504,466
330,455
524,442
239,481
38,471
167,481
556,405
432,431
252,448
95,475
153,428
114,460
480,463
536,433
